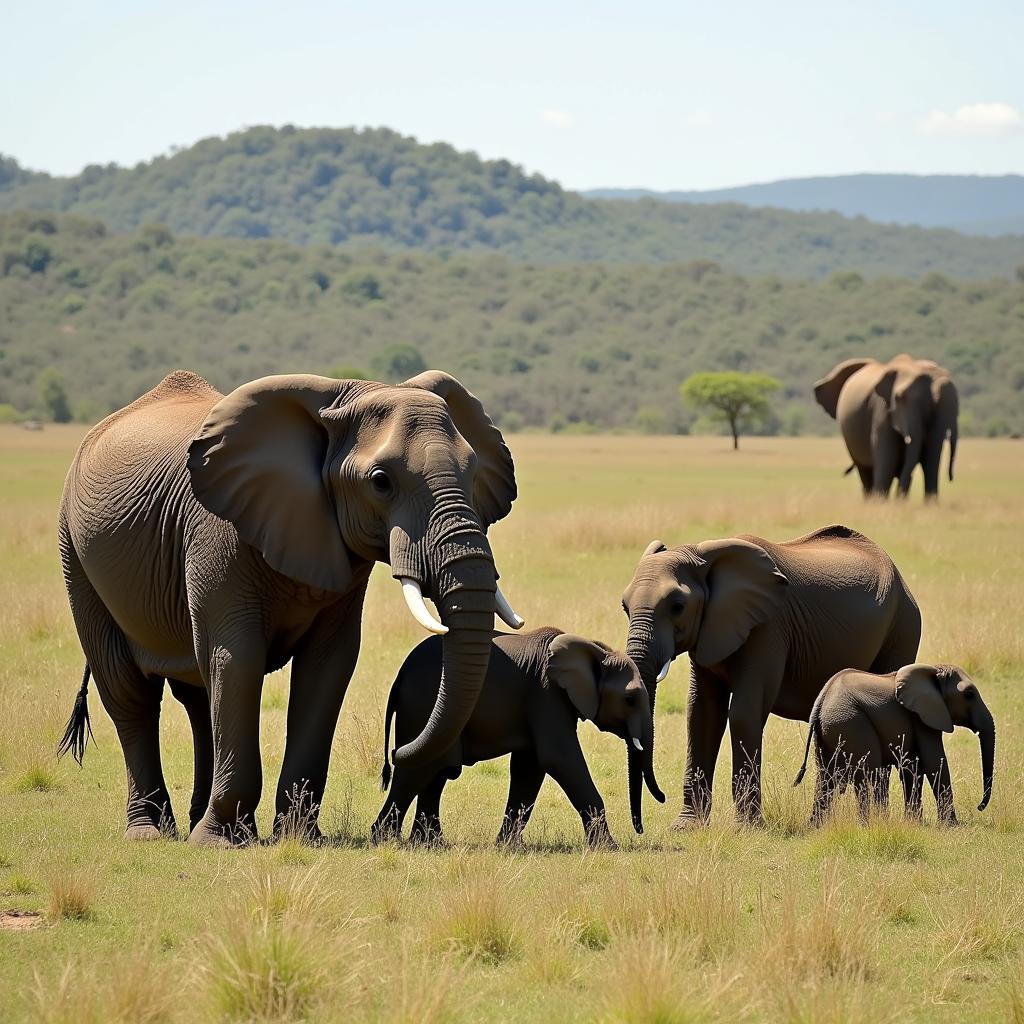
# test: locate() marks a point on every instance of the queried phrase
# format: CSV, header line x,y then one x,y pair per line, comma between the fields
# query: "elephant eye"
x,y
380,482
631,700
677,609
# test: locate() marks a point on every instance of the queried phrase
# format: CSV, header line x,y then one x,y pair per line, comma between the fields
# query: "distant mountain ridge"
x,y
375,187
973,204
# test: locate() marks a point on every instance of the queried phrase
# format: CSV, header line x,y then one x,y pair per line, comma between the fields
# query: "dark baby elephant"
x,y
538,687
864,725
765,625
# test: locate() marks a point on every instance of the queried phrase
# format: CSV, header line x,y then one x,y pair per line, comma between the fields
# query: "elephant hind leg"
x,y
389,822
130,698
866,478
426,826
196,702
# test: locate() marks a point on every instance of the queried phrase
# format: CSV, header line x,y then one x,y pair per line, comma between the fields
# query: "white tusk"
x,y
639,746
414,599
505,611
664,670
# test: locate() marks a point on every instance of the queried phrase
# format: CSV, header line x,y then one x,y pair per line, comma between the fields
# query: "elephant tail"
x,y
79,729
385,772
812,728
952,449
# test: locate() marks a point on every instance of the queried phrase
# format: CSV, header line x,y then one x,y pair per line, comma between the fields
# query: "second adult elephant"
x,y
208,539
765,625
893,417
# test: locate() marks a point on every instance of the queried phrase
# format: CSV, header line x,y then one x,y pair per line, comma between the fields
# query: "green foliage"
x,y
54,396
740,400
349,186
346,373
235,310
398,363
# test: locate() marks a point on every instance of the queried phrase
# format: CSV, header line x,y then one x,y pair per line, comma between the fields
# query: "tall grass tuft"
x,y
477,920
72,895
644,984
890,839
275,963
130,990
35,779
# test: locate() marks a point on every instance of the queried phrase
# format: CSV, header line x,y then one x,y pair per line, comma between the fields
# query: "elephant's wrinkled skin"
x,y
538,687
208,539
765,625
864,725
893,416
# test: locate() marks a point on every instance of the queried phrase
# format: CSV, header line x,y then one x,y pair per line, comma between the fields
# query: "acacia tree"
x,y
741,400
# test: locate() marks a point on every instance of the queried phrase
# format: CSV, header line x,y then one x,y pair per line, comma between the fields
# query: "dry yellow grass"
x,y
894,922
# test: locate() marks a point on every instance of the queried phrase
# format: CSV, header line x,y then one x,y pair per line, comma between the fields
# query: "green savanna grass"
x,y
895,922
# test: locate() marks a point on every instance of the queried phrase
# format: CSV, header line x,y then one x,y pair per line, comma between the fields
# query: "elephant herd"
x,y
209,539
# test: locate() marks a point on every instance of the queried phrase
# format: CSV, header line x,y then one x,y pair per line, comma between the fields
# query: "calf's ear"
x,y
574,664
917,689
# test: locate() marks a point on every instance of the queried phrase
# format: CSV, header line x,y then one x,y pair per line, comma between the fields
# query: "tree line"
x,y
321,186
99,318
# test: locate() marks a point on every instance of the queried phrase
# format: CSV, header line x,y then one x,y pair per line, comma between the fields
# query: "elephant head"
x,y
323,476
944,696
923,409
701,599
605,687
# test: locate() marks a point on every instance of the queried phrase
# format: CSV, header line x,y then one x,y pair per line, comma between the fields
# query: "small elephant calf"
x,y
864,725
537,688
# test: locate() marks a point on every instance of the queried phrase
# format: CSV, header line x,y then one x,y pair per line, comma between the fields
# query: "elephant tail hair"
x,y
79,729
385,772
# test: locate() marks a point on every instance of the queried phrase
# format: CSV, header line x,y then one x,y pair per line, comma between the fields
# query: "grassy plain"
x,y
892,922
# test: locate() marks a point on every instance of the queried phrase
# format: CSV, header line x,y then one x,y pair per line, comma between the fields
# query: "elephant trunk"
x,y
457,567
640,766
987,737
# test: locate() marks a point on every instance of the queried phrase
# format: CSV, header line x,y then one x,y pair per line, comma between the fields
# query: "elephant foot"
x,y
145,833
687,821
604,843
432,840
211,833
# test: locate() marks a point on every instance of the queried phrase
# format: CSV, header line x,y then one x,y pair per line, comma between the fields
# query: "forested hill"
x,y
103,317
972,203
376,187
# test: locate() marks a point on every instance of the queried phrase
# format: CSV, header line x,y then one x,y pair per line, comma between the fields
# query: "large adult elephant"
x,y
893,417
766,626
208,539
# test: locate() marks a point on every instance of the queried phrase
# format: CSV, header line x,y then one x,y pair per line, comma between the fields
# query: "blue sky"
x,y
666,95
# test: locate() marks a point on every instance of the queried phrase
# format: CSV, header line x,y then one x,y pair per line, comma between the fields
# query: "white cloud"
x,y
973,119
700,119
556,118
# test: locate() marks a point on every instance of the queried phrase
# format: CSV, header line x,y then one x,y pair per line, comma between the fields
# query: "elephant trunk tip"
x,y
638,825
985,800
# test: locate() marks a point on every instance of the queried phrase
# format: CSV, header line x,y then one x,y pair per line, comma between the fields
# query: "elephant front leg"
x,y
706,716
235,682
321,671
569,769
936,770
525,779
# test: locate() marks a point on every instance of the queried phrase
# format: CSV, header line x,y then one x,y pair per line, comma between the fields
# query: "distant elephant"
x,y
208,539
764,625
893,417
864,725
538,687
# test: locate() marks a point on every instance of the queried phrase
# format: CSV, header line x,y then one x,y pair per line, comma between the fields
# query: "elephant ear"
x,y
574,664
495,478
744,588
917,689
895,386
654,548
826,390
258,462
